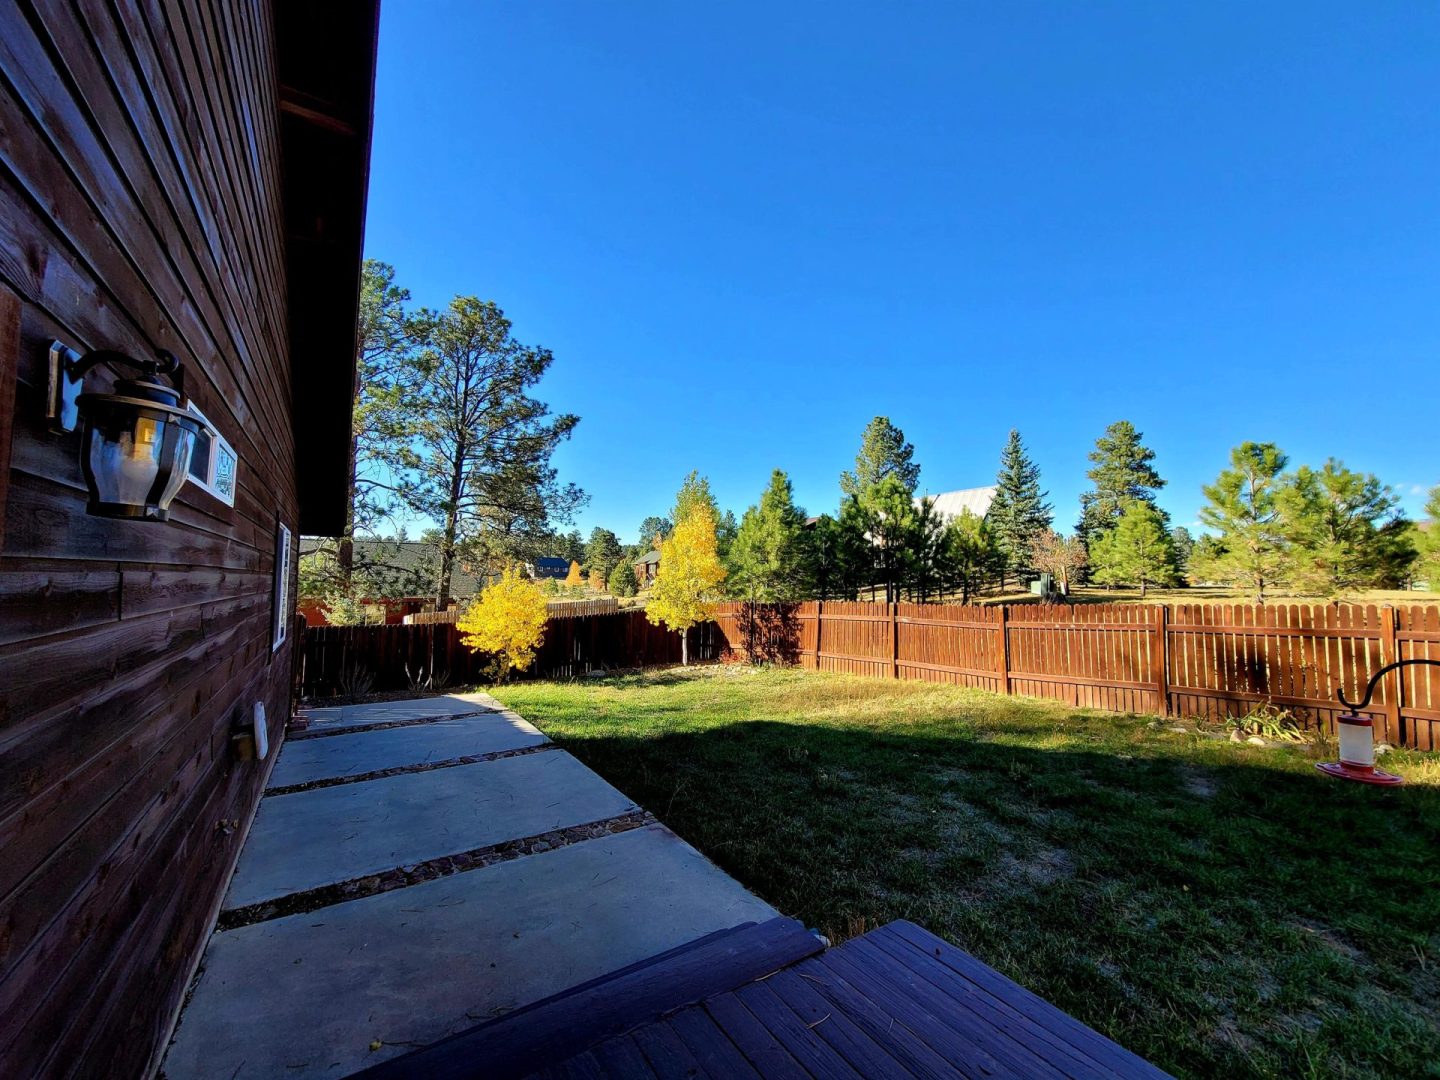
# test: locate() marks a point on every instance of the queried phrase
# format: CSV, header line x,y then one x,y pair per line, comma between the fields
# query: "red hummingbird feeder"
x,y
1357,736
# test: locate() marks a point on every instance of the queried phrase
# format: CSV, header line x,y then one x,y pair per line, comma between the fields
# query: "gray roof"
x,y
649,558
950,504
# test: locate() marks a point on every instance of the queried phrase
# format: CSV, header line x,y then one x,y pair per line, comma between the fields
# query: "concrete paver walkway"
x,y
315,983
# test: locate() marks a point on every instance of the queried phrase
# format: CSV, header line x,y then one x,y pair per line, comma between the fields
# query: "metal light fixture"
x,y
1357,736
135,450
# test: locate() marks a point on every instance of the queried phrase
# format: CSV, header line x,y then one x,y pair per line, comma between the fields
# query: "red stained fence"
x,y
1200,660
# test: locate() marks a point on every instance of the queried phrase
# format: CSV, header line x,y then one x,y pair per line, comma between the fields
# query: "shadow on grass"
x,y
1217,910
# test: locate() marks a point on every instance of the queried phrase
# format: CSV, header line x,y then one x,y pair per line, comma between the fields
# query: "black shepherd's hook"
x,y
1375,679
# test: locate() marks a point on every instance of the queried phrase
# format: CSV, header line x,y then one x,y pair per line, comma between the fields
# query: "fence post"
x,y
1002,650
894,643
1160,660
1389,653
819,628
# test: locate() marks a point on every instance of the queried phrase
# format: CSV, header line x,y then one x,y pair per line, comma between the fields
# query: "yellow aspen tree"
x,y
506,620
597,581
574,579
688,583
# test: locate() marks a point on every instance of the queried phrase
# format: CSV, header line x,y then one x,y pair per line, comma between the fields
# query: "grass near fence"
x,y
1219,908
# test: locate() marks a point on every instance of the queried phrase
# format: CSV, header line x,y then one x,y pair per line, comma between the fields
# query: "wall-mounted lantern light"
x,y
1357,735
135,450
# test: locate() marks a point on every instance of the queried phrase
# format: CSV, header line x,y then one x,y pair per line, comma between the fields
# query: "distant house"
x,y
951,504
550,568
407,570
646,567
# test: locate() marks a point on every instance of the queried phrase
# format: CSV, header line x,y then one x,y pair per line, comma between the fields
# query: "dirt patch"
x,y
1199,783
1045,866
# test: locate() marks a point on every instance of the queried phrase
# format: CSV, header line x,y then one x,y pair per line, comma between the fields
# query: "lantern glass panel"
x,y
1357,743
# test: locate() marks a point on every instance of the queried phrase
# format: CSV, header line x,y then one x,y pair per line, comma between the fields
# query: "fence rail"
x,y
1203,660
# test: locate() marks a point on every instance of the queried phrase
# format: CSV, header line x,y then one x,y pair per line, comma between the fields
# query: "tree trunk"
x,y
685,647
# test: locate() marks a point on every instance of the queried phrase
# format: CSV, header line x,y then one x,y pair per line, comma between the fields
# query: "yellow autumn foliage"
x,y
574,579
687,586
506,620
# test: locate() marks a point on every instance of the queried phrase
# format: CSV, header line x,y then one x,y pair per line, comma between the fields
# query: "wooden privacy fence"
x,y
1190,660
390,657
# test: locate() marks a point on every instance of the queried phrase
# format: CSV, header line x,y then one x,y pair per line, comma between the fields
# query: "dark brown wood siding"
x,y
140,209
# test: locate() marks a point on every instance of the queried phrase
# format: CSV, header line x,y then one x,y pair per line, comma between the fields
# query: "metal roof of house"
x,y
950,504
648,558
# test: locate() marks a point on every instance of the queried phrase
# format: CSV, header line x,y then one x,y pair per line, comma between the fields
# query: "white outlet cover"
x,y
262,737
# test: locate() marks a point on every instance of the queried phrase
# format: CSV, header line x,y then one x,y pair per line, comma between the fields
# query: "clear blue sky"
x,y
744,229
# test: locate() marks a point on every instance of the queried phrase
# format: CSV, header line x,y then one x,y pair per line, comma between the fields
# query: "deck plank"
x,y
754,1039
998,1015
870,1059
957,1057
791,1032
876,1021
717,1055
667,1053
1114,1058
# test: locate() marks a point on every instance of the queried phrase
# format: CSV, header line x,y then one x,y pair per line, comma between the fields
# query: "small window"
x,y
282,587
213,462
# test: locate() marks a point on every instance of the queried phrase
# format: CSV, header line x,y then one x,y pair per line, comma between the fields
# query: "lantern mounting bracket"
x,y
1375,681
68,369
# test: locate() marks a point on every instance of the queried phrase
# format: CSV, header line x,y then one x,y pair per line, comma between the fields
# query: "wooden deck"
x,y
897,1002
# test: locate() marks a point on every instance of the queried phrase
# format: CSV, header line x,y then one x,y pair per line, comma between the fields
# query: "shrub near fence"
x,y
1201,660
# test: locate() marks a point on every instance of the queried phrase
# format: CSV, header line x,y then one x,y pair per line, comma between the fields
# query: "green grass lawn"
x,y
1221,909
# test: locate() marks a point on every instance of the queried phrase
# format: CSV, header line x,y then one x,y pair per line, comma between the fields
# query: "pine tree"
x,y
969,553
622,579
1182,543
1137,551
652,530
1333,519
767,561
690,576
886,515
883,453
1252,549
602,552
1019,509
1427,542
1122,474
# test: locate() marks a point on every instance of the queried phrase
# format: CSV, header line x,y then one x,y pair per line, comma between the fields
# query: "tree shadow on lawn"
x,y
1216,909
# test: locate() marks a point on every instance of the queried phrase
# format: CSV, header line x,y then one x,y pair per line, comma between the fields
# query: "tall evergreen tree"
x,y
602,552
1137,551
1182,543
1243,507
1122,473
767,561
652,530
482,445
840,557
1333,519
883,453
969,555
887,516
1427,542
1019,509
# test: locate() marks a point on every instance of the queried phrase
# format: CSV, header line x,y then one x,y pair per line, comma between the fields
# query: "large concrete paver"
x,y
312,838
304,761
307,995
390,712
